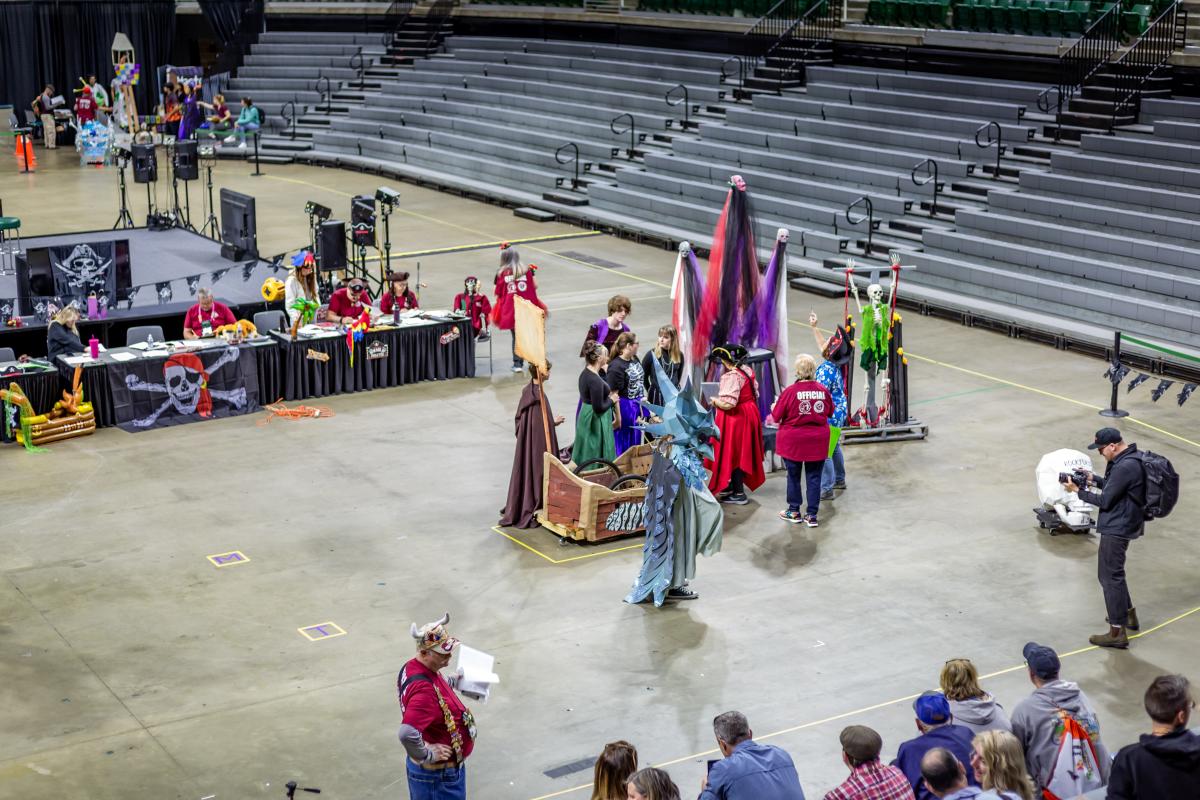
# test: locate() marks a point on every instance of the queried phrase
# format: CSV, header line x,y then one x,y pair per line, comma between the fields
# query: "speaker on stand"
x,y
145,170
362,232
186,168
331,250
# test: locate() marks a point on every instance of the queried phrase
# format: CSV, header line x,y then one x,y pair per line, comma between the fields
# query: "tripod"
x,y
183,219
211,222
124,218
386,210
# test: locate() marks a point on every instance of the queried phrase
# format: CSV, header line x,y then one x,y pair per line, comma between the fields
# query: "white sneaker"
x,y
241,146
230,139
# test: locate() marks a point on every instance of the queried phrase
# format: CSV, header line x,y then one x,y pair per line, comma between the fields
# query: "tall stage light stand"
x,y
388,199
124,218
208,159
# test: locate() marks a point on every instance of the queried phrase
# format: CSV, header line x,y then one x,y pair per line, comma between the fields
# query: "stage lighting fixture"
x,y
387,197
317,210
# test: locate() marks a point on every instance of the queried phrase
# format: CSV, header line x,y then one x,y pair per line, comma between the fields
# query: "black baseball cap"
x,y
1105,436
1041,659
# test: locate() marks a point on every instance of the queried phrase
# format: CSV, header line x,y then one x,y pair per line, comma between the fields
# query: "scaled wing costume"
x,y
682,517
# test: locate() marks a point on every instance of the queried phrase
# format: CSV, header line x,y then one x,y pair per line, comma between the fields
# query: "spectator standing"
x,y
594,424
616,763
1038,720
1165,763
514,279
802,413
651,784
836,352
937,731
943,776
1121,500
606,329
626,377
970,705
999,766
98,93
870,779
668,355
748,770
737,461
85,107
43,106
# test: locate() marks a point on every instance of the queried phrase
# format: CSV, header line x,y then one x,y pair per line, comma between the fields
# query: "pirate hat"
x,y
838,350
733,353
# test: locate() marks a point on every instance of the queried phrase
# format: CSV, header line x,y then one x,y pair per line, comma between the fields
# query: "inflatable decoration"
x,y
69,418
272,290
243,328
92,142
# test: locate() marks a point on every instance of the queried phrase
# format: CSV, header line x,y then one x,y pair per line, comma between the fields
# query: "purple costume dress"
x,y
629,380
190,119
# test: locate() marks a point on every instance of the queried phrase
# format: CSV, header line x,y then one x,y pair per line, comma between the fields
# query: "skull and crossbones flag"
x,y
80,270
186,387
1158,391
1136,382
1186,392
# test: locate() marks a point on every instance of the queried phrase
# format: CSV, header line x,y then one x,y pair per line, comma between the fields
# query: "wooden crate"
x,y
577,506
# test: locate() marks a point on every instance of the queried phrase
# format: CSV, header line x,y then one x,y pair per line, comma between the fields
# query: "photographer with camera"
x,y
1122,502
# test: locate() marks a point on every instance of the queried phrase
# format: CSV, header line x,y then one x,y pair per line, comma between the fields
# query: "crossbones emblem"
x,y
185,382
84,268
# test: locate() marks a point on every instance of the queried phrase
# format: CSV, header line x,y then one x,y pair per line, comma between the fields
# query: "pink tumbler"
x,y
94,346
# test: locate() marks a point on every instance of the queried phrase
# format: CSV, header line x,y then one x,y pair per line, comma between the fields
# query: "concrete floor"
x,y
134,668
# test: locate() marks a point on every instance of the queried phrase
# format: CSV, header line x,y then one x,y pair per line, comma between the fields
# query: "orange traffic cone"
x,y
29,158
20,151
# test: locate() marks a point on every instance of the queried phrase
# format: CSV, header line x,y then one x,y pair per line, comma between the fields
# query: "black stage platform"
x,y
176,260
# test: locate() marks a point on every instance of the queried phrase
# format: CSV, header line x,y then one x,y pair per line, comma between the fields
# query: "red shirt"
x,y
407,301
476,305
85,108
803,411
421,709
508,287
219,315
873,781
340,303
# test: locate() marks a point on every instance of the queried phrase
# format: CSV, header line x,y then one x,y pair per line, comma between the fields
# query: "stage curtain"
x,y
61,42
226,17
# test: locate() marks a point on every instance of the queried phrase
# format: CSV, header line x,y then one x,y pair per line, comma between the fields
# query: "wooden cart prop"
x,y
578,506
69,418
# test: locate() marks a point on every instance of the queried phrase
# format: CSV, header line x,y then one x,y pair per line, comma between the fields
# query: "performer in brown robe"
x,y
525,484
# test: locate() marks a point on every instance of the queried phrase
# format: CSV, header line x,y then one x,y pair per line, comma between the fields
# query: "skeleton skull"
x,y
782,235
875,293
183,386
83,267
685,248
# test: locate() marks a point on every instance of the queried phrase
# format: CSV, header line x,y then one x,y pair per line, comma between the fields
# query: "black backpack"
x,y
1162,485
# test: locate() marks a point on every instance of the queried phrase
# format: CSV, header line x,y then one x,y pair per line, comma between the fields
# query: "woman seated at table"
x,y
347,304
62,339
301,284
203,319
398,296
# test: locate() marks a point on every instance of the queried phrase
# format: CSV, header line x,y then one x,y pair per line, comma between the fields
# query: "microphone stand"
x,y
292,787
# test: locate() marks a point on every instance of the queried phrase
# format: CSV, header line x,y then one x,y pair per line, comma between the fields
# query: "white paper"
x,y
75,361
475,675
123,356
164,353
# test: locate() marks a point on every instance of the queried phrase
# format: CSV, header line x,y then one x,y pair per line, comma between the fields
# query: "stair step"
x,y
819,287
566,198
270,143
535,214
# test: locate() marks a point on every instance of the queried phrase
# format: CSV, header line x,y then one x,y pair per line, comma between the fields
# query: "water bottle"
x,y
149,340
94,347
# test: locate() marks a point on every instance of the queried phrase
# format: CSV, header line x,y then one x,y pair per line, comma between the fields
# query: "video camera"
x,y
1079,477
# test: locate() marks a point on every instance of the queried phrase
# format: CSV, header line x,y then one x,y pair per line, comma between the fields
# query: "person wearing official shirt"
x,y
437,731
1121,500
203,319
398,297
348,303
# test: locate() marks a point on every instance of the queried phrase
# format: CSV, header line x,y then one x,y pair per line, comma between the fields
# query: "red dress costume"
x,y
475,305
508,287
741,442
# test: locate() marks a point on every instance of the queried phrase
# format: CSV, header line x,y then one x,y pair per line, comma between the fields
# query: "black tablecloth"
x,y
413,354
42,388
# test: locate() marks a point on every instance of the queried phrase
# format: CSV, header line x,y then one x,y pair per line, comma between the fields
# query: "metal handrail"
x,y
437,14
787,20
1043,99
360,67
327,94
291,119
931,177
560,160
869,218
1091,52
687,105
612,126
998,141
735,59
397,14
1146,57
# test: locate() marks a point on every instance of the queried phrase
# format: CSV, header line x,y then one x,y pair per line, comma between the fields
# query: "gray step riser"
x,y
1125,170
315,50
892,139
1091,186
418,123
983,110
1119,219
452,144
584,50
656,72
454,162
997,91
651,121
1141,149
563,126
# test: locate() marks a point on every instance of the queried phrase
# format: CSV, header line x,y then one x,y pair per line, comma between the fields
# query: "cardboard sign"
x,y
377,350
447,338
316,355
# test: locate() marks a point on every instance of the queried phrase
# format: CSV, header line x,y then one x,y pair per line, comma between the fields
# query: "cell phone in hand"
x,y
711,761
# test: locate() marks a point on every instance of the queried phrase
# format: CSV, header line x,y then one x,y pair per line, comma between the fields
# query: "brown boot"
x,y
1131,622
1114,638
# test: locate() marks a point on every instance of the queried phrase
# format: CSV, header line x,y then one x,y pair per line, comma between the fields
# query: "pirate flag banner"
x,y
187,386
84,269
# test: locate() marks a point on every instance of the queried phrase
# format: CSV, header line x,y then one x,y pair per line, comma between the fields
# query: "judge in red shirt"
x,y
438,732
85,106
347,304
203,319
802,412
398,297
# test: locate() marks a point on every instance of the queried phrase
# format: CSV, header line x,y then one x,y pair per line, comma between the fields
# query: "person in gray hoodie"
x,y
1035,720
970,705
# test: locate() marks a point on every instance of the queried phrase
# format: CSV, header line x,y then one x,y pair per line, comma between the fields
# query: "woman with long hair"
x,y
971,706
651,783
62,338
999,765
616,763
398,295
669,356
513,279
594,425
626,378
802,413
737,462
301,284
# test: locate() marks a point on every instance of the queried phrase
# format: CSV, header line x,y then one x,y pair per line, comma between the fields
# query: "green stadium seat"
x,y
1055,17
1018,16
1137,19
1035,17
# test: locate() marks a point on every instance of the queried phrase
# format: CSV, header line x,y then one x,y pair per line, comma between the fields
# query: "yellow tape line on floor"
x,y
533,549
865,709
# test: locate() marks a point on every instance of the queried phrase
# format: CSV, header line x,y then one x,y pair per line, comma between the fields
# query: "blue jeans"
x,y
241,129
834,471
812,477
442,784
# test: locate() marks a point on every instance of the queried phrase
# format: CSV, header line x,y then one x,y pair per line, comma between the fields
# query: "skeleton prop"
x,y
185,382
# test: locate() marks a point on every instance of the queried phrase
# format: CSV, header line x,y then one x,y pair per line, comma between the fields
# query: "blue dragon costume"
x,y
681,516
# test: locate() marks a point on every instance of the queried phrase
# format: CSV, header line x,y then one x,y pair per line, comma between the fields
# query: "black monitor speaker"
x,y
145,164
331,245
362,220
186,166
239,227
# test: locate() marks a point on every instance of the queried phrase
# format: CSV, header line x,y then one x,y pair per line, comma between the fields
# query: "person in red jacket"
x,y
737,462
438,731
85,106
802,412
398,296
513,279
474,304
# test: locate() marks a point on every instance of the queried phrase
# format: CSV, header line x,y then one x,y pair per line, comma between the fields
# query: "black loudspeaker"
x,y
362,220
331,245
186,166
145,164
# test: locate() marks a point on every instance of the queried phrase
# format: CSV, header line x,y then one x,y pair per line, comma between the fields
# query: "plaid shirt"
x,y
873,781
